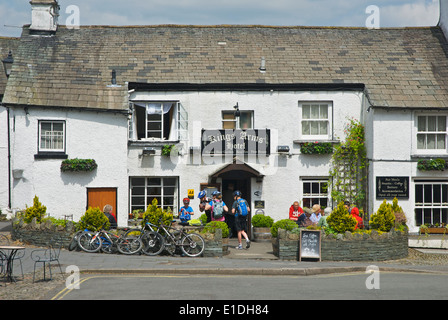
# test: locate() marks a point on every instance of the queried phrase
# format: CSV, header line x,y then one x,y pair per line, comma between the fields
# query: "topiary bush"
x,y
153,214
94,219
262,221
384,218
213,225
37,211
285,224
340,220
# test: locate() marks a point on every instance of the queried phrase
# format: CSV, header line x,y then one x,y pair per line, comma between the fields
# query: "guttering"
x,y
246,86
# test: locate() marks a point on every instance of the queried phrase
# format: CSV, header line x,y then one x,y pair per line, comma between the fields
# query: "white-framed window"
x,y
431,202
315,191
245,121
431,133
316,120
158,120
51,136
144,189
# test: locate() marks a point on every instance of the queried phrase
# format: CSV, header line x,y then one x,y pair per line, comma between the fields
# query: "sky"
x,y
347,13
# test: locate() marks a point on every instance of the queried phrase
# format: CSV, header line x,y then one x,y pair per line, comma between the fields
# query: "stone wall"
x,y
348,247
40,234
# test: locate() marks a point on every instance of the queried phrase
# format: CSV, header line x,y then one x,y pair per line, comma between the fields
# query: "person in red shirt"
x,y
296,213
355,213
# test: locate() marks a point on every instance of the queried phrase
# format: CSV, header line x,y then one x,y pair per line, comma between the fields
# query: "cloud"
x,y
419,13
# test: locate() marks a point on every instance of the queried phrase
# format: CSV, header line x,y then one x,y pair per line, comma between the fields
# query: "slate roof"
x,y
6,44
401,67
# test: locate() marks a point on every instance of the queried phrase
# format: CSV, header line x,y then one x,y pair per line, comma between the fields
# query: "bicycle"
x,y
152,241
191,244
108,242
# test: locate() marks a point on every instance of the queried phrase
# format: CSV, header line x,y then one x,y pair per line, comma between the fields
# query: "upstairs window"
x,y
244,121
51,136
315,120
159,121
431,133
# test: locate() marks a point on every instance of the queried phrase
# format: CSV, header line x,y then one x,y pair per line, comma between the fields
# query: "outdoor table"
x,y
10,260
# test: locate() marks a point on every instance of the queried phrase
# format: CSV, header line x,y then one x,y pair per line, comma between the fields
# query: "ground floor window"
x,y
315,191
144,189
431,202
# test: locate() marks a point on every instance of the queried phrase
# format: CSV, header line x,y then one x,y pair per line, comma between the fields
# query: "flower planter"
x,y
434,230
262,234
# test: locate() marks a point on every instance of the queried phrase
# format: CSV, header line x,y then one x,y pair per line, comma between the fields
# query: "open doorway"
x,y
228,187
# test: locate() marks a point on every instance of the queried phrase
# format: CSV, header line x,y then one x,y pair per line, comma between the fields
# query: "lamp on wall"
x,y
7,63
237,112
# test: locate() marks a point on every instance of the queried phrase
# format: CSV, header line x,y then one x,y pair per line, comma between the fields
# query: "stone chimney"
x,y
44,16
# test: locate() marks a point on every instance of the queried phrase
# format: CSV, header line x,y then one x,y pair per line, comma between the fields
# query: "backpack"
x,y
217,209
242,208
184,215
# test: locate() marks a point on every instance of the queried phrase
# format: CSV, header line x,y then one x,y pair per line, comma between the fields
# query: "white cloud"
x,y
419,13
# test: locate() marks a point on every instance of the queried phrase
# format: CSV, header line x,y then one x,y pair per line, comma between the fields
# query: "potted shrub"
x,y
211,228
284,224
262,227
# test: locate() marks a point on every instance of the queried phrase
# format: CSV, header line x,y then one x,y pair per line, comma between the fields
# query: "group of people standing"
x,y
318,217
215,210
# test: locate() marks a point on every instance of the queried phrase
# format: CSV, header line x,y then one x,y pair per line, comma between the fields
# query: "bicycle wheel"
x,y
74,242
192,245
108,246
90,242
130,245
153,243
169,245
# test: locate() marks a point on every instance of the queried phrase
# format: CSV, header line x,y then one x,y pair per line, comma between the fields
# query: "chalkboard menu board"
x,y
310,246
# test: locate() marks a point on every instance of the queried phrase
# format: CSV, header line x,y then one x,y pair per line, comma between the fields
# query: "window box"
x,y
433,230
316,148
78,165
432,165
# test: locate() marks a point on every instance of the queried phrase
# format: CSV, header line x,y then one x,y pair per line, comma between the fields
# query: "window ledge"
x,y
50,155
150,143
301,141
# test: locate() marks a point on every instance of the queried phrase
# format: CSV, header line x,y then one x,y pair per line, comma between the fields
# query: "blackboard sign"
x,y
392,187
309,246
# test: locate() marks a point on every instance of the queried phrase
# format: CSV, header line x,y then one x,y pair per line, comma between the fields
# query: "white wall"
x,y
443,21
3,159
93,135
278,111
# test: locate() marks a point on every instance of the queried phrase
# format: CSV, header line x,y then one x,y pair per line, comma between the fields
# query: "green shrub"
x,y
94,219
78,165
213,225
340,220
36,211
203,219
384,218
262,221
153,214
285,224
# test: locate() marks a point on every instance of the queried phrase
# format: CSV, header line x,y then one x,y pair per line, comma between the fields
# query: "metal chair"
x,y
4,240
47,256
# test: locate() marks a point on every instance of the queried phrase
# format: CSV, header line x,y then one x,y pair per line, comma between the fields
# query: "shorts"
x,y
241,223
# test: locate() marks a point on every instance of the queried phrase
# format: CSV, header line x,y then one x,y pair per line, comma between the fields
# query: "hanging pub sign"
x,y
392,187
253,142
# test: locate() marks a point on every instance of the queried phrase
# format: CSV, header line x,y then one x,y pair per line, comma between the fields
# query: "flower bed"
x,y
391,245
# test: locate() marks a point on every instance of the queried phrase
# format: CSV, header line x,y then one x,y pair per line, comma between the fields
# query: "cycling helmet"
x,y
202,194
216,193
237,194
186,200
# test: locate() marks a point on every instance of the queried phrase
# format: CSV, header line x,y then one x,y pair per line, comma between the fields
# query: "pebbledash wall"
x,y
278,111
101,136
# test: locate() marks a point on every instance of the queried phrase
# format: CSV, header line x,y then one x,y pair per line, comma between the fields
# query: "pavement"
x,y
257,260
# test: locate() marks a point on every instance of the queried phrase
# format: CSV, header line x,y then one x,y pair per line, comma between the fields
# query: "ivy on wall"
x,y
349,166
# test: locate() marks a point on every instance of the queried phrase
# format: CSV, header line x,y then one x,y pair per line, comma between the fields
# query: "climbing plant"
x,y
349,166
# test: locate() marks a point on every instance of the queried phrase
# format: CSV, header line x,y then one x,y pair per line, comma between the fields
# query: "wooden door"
x,y
99,197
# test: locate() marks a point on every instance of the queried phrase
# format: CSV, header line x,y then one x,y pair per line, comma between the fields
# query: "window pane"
x,y
168,191
228,125
306,128
58,126
138,191
315,188
155,134
431,141
445,216
307,188
427,216
306,111
314,128
427,194
421,141
441,124
432,122
228,116
154,117
441,141
323,111
421,124
138,201
323,128
437,194
444,194
169,182
323,187
45,127
138,181
315,111
154,182
418,194
418,216
436,215
154,191
246,120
